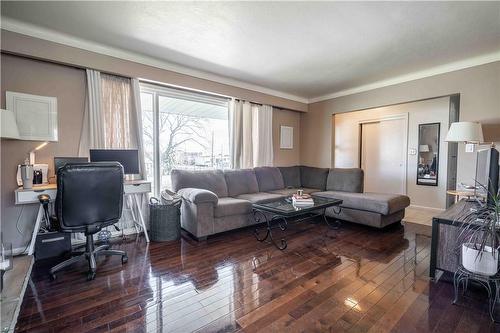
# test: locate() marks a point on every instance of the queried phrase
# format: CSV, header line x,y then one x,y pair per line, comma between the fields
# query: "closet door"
x,y
383,156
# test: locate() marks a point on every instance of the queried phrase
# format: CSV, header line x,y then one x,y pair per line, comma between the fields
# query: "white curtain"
x,y
112,116
113,119
262,136
92,135
235,132
251,134
136,124
116,109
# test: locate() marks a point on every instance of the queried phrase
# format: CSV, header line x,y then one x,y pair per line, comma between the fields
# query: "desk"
x,y
131,188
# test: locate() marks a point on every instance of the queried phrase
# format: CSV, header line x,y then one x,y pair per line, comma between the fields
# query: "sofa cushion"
x,y
269,179
291,176
312,177
198,195
211,180
231,206
241,181
345,180
381,203
289,191
261,197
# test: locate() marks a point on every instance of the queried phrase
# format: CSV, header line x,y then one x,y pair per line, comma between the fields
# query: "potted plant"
x,y
479,237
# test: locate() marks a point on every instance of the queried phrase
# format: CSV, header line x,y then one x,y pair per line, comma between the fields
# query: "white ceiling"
x,y
302,49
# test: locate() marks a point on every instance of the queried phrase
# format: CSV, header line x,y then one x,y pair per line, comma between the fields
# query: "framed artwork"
x,y
36,116
286,137
428,154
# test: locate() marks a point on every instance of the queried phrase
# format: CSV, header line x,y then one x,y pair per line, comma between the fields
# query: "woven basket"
x,y
164,219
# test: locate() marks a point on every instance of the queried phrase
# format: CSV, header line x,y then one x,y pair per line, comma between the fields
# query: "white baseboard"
x,y
428,208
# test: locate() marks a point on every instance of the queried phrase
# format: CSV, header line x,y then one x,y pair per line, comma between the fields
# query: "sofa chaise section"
x,y
372,209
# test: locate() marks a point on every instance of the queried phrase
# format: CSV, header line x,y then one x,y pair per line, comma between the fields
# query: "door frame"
x,y
403,116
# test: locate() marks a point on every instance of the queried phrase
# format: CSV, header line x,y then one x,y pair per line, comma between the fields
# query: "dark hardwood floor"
x,y
356,279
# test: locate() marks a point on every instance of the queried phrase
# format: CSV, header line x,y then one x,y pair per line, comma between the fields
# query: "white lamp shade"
x,y
465,131
9,125
423,148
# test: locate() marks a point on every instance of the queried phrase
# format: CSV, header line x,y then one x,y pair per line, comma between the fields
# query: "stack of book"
x,y
301,201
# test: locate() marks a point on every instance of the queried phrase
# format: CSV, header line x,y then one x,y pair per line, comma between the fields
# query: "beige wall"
x,y
37,48
347,144
286,157
479,89
65,83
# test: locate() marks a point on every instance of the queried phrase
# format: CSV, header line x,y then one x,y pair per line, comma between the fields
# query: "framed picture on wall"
x,y
36,116
286,137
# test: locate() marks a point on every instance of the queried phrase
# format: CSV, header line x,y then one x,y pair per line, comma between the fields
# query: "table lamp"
x,y
9,128
466,132
424,148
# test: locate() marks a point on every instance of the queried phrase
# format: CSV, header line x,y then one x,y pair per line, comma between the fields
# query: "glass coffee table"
x,y
278,213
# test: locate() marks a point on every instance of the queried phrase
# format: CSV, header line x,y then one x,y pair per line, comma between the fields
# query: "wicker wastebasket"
x,y
165,218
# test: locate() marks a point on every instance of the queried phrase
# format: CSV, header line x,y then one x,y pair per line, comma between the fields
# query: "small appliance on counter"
x,y
37,177
26,175
40,174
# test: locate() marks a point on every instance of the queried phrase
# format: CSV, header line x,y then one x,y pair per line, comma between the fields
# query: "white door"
x,y
383,156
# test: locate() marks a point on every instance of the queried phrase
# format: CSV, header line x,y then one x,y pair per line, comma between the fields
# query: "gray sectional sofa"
x,y
215,201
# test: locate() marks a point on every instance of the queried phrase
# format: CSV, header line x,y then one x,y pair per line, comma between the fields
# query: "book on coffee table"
x,y
302,200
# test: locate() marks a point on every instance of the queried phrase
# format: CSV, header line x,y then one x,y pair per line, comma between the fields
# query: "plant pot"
x,y
485,263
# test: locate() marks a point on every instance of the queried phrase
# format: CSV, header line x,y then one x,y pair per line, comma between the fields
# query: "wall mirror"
x,y
428,154
36,116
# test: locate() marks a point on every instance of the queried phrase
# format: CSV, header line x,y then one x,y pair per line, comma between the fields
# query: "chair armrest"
x,y
198,195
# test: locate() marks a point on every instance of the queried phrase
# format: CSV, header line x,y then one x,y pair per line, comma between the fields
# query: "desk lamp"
x,y
32,153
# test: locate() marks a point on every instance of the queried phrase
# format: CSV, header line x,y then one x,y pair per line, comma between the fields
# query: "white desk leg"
x,y
39,217
131,206
141,218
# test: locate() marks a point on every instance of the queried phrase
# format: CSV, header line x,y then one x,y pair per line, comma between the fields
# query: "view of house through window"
x,y
182,130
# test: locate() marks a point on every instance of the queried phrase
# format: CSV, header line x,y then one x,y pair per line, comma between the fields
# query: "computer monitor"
x,y
487,169
128,158
62,161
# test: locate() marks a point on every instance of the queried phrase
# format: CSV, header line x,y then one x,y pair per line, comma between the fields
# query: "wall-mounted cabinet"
x,y
36,116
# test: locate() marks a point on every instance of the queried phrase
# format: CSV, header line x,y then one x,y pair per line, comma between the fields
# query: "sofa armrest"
x,y
198,195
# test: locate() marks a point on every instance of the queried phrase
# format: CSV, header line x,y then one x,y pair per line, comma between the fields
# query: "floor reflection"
x,y
354,278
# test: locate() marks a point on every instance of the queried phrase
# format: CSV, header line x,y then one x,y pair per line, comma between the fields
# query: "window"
x,y
182,130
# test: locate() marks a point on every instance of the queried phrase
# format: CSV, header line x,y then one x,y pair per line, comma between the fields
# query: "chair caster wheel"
x,y
53,276
124,259
90,276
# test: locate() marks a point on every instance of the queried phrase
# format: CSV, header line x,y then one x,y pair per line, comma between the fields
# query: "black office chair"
x,y
89,198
